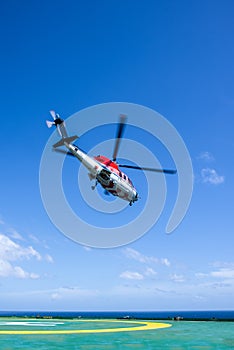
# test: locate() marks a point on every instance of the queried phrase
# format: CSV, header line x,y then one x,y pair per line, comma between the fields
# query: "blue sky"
x,y
174,57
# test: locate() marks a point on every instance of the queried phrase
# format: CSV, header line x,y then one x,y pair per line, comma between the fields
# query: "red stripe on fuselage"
x,y
107,162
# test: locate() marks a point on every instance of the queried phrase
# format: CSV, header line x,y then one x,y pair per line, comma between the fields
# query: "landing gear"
x,y
131,203
95,185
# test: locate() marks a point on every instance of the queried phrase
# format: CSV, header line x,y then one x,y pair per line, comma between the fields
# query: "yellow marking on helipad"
x,y
143,326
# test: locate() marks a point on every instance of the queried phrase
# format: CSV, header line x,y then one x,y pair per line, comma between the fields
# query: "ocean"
x,y
145,315
209,331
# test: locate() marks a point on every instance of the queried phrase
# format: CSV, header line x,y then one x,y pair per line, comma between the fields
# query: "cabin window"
x,y
105,174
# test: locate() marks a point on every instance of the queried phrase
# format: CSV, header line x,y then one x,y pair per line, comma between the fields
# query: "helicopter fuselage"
x,y
106,173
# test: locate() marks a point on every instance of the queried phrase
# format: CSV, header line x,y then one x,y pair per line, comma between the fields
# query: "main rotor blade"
x,y
119,134
63,152
166,171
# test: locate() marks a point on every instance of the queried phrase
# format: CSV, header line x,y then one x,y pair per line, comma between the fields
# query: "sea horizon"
x,y
136,314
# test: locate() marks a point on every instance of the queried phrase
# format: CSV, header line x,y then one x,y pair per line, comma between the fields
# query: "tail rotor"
x,y
54,115
49,123
61,128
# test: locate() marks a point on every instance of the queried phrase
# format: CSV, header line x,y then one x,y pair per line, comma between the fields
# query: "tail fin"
x,y
65,139
61,128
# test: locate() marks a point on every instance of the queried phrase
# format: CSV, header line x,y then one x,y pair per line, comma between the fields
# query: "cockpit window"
x,y
123,176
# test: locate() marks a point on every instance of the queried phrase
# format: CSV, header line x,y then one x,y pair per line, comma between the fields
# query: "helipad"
x,y
133,326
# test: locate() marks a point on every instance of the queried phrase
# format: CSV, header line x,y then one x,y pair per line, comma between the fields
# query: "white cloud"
x,y
177,278
130,275
55,296
33,275
72,292
7,269
223,273
150,272
49,258
12,251
165,261
210,176
223,264
20,273
15,234
201,275
34,238
135,255
206,156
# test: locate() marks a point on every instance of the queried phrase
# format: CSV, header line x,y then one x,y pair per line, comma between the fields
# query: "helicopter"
x,y
102,170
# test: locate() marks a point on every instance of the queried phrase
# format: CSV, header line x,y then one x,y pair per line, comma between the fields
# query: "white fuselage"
x,y
108,179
